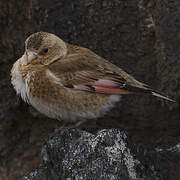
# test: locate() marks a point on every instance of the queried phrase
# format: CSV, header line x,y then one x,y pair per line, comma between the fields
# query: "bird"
x,y
69,82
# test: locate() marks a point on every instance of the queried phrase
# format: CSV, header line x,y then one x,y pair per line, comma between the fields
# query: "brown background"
x,y
143,37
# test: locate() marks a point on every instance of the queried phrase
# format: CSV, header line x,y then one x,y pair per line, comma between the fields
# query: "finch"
x,y
68,82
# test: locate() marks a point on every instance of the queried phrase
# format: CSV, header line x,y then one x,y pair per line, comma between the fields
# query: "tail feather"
x,y
161,96
147,90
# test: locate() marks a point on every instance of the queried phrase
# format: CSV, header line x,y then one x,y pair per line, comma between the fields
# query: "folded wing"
x,y
88,72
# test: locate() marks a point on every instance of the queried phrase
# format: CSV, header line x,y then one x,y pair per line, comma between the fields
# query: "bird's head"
x,y
44,48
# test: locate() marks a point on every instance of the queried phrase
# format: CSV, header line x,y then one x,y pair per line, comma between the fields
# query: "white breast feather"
x,y
20,85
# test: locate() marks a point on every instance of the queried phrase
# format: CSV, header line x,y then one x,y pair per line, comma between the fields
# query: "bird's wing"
x,y
89,72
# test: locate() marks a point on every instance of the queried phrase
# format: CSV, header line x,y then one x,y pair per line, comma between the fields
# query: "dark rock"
x,y
110,154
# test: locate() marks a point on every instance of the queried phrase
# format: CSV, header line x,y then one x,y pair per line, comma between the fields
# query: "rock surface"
x,y
141,36
110,154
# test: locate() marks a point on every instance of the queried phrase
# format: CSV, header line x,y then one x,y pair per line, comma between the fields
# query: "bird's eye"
x,y
45,50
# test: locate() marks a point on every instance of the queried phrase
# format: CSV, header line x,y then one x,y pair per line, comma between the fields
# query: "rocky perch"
x,y
110,154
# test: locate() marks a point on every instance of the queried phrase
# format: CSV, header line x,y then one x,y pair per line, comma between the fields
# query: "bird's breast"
x,y
20,82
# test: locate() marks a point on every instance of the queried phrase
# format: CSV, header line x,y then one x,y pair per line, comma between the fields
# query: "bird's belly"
x,y
72,105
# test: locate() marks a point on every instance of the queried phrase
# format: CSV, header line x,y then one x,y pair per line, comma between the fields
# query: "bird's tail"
x,y
161,96
144,88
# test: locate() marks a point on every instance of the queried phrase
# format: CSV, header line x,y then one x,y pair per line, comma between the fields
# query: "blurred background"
x,y
140,36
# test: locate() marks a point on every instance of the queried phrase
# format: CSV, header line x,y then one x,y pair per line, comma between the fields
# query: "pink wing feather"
x,y
104,86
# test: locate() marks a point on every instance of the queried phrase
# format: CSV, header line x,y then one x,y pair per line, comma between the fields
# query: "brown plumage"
x,y
68,82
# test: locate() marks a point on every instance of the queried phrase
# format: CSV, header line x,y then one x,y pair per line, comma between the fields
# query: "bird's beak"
x,y
30,56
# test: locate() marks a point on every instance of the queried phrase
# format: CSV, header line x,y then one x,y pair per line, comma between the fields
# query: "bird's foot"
x,y
77,124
